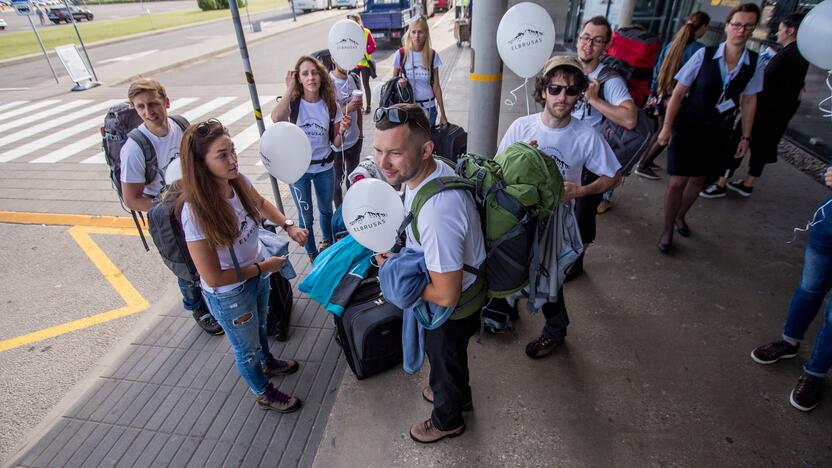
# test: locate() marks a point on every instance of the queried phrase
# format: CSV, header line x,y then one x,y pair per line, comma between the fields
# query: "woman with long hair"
x,y
671,58
221,212
311,105
409,64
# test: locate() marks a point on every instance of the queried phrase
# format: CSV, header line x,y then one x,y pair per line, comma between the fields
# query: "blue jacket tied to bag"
x,y
336,273
403,277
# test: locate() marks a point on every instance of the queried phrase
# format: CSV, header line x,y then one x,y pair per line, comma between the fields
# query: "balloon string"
x,y
827,112
813,221
512,102
303,205
526,89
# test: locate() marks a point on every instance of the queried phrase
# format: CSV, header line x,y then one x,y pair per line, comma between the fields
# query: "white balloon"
x,y
814,36
285,151
525,38
347,43
173,171
373,213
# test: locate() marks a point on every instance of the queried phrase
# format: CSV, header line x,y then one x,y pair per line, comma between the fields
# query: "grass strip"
x,y
24,42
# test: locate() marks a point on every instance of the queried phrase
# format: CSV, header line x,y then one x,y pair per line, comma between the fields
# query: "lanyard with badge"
x,y
724,104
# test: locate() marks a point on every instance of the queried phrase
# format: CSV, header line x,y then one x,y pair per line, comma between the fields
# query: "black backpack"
x,y
121,123
392,93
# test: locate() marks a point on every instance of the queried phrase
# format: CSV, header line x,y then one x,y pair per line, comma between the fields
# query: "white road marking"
x,y
51,113
9,105
29,108
125,58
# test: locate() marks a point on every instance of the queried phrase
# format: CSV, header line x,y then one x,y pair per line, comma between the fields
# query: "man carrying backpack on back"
x,y
606,97
160,134
574,145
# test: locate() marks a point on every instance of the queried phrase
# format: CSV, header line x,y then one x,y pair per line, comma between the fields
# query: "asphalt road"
x,y
101,12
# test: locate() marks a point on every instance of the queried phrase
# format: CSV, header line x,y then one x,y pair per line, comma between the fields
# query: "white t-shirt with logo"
x,y
615,93
246,245
418,75
132,157
449,228
343,95
313,119
573,147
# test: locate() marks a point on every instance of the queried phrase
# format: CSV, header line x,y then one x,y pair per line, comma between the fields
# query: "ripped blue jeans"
x,y
242,313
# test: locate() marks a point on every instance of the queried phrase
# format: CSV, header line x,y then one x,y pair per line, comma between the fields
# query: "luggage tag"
x,y
725,106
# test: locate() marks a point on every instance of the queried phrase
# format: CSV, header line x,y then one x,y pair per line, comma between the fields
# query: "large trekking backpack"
x,y
628,145
511,193
121,123
633,53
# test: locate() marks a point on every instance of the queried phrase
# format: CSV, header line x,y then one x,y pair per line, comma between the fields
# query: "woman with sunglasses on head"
x,y
221,212
311,105
409,65
675,54
710,90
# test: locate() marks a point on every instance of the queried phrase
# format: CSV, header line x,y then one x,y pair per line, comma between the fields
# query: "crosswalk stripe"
x,y
197,112
249,136
52,123
59,135
49,113
95,139
11,104
227,119
29,108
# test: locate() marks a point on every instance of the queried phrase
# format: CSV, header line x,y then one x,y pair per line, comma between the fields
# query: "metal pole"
x,y
486,78
78,33
45,55
294,17
248,18
252,88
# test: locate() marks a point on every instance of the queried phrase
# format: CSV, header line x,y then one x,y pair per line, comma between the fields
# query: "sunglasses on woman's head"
x,y
396,116
571,90
204,128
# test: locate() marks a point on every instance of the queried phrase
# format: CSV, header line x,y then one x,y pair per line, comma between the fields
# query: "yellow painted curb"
x,y
66,219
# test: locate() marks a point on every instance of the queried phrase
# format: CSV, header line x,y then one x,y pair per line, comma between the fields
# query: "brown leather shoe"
x,y
427,394
426,433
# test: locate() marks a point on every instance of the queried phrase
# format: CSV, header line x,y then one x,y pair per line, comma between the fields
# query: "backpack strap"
x,y
434,186
430,66
356,80
151,162
402,56
237,269
182,122
294,110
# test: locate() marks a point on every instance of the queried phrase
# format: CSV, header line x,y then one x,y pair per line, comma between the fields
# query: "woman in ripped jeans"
x,y
221,213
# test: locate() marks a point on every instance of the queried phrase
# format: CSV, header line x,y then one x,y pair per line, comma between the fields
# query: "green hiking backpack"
x,y
511,192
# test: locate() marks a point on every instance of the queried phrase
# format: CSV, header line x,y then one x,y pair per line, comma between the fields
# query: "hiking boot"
x,y
277,367
576,269
426,433
773,352
427,394
647,173
713,191
274,399
206,321
542,346
740,188
806,394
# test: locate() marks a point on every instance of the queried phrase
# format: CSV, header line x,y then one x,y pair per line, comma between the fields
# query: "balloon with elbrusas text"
x,y
285,151
525,38
373,213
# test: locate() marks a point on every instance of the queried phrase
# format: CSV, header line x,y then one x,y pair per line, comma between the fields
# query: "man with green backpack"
x,y
573,145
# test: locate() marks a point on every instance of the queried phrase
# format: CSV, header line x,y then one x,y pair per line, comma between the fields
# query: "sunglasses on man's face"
x,y
571,90
396,116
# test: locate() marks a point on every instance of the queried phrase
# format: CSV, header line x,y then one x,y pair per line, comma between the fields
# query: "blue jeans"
x,y
808,297
324,191
432,114
191,294
242,313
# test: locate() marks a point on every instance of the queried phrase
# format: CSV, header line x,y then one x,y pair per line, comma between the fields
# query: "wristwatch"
x,y
287,224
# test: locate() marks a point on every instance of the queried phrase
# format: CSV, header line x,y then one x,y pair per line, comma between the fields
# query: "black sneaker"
x,y
647,173
276,400
542,346
806,394
576,269
740,188
773,352
207,322
713,191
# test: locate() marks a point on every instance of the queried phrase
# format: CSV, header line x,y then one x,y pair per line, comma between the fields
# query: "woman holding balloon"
x,y
311,105
221,212
409,64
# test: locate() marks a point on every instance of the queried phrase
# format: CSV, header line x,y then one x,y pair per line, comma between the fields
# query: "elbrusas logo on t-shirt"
x,y
313,128
346,44
555,153
246,230
368,220
527,37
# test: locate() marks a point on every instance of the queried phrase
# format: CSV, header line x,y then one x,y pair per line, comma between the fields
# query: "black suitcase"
x,y
370,331
281,300
449,141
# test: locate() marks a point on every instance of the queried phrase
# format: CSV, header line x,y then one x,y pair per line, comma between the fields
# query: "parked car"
x,y
56,15
2,24
344,3
442,5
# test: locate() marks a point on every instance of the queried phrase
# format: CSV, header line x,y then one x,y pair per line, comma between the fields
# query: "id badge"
x,y
725,106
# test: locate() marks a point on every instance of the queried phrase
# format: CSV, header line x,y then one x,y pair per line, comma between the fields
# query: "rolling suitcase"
x,y
370,331
449,141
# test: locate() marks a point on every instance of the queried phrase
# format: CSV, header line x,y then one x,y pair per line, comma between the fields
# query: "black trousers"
x,y
556,318
586,209
352,157
365,80
447,350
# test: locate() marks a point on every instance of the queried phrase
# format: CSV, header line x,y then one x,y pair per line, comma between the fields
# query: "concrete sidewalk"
x,y
655,370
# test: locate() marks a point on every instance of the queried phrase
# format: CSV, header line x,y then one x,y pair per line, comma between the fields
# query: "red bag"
x,y
638,49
